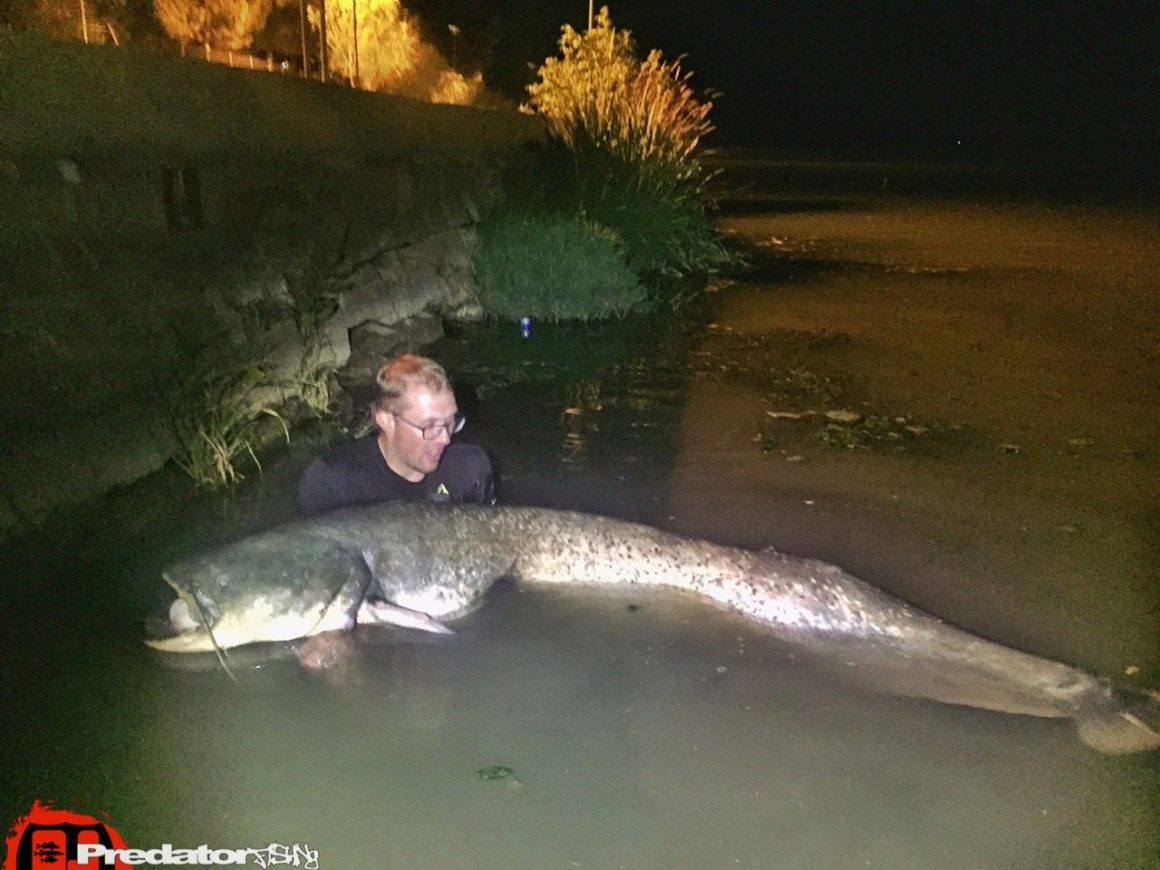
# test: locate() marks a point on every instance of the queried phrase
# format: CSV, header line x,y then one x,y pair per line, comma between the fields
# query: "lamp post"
x,y
454,46
354,40
302,33
324,73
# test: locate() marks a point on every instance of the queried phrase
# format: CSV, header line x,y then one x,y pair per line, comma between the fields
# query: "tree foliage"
x,y
387,45
60,19
119,21
221,23
389,53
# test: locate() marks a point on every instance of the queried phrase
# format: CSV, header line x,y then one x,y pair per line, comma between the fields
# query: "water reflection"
x,y
578,413
580,418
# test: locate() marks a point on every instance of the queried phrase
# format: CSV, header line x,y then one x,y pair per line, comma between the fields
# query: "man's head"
x,y
414,409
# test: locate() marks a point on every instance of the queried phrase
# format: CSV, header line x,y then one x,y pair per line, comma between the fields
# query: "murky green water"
x,y
657,734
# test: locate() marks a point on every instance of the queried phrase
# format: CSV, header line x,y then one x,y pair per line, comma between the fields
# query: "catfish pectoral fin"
x,y
378,612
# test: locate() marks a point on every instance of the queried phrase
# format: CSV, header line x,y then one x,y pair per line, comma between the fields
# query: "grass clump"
x,y
664,228
219,410
215,417
312,383
553,267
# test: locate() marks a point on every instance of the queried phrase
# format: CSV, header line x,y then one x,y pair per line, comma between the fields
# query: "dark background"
x,y
973,80
1024,80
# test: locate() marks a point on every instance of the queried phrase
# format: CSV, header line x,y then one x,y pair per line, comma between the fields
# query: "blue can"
x,y
526,327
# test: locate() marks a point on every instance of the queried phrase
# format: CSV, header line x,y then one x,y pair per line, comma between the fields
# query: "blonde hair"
x,y
401,374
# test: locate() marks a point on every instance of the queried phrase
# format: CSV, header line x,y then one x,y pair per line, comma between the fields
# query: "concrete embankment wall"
x,y
160,214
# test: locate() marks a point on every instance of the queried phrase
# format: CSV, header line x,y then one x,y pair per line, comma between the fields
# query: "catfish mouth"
x,y
175,629
170,621
183,624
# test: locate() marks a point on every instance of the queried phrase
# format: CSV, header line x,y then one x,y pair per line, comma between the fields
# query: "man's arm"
x,y
470,475
319,489
484,490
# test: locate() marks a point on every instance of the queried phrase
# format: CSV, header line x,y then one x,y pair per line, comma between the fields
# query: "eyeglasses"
x,y
430,433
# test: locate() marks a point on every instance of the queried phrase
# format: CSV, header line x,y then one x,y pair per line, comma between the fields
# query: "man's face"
x,y
406,451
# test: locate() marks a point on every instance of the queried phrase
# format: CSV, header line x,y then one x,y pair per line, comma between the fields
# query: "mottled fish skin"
x,y
439,561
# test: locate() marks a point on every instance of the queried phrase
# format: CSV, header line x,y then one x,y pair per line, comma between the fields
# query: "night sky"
x,y
974,80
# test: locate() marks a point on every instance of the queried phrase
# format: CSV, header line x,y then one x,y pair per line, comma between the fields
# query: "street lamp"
x,y
454,44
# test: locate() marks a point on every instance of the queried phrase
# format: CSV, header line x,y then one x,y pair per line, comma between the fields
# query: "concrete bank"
x,y
160,216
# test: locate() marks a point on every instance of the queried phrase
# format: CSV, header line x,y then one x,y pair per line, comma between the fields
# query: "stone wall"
x,y
159,213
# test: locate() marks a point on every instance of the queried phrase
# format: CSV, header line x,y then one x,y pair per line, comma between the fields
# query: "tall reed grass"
x,y
633,129
644,113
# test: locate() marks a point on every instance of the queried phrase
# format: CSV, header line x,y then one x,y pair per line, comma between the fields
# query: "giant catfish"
x,y
427,565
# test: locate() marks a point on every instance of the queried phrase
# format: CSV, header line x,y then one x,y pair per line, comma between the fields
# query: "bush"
x,y
553,267
633,129
664,228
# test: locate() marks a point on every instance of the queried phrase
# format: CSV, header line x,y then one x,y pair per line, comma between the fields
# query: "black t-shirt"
x,y
356,473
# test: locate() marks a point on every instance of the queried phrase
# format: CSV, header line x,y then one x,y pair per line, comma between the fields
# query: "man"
x,y
410,456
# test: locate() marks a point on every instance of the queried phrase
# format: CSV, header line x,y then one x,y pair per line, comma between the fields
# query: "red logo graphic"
x,y
47,839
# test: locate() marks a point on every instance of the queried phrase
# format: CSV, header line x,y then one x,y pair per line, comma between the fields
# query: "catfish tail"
x,y
1133,727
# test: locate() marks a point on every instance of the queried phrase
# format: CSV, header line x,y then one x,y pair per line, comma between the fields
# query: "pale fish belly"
x,y
271,618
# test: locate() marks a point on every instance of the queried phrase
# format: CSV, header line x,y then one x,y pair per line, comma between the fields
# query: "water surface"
x,y
988,370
